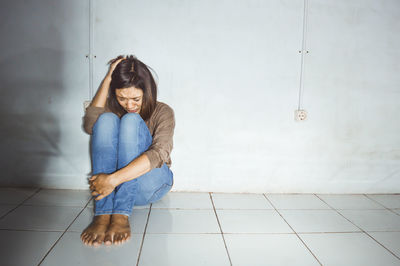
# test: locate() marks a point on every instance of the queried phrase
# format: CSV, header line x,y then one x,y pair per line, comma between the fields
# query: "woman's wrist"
x,y
115,178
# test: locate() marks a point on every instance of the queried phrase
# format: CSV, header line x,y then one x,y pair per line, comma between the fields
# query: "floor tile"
x,y
296,201
389,201
46,218
373,220
182,221
25,247
4,209
240,201
137,220
317,221
183,250
71,251
60,197
391,240
15,195
252,221
268,249
353,249
356,202
182,227
184,200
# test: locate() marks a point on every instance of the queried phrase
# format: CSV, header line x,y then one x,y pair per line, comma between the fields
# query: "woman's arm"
x,y
134,169
161,147
97,106
100,98
103,184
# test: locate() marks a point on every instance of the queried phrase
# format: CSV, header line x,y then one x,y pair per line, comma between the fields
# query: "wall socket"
x,y
300,115
86,105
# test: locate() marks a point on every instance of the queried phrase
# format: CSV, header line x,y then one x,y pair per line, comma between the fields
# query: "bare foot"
x,y
94,234
118,231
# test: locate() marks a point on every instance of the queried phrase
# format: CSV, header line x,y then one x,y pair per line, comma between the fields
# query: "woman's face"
x,y
130,99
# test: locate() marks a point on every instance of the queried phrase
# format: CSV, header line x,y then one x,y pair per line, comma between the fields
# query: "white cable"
x,y
91,38
303,51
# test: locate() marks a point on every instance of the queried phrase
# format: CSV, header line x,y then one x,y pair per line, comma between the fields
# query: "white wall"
x,y
231,72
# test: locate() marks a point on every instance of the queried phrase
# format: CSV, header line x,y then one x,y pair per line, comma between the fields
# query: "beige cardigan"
x,y
161,125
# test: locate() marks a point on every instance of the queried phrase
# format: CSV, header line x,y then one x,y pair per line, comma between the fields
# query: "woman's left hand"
x,y
101,185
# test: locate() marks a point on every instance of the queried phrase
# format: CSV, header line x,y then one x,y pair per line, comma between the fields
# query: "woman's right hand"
x,y
100,98
113,64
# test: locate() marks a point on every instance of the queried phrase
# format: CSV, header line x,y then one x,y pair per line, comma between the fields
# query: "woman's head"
x,y
132,88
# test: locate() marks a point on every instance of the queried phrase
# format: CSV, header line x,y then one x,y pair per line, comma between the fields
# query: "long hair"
x,y
131,72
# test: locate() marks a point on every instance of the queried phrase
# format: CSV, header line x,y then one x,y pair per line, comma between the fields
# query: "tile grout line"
x,y
58,240
261,209
144,234
19,205
244,233
381,204
293,230
31,230
363,231
220,228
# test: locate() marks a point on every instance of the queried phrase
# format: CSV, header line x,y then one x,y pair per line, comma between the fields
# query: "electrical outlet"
x,y
86,105
300,115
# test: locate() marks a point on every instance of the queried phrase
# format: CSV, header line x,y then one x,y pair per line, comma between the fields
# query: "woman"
x,y
130,146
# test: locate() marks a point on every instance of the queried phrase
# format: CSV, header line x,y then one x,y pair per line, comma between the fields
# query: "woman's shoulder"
x,y
163,112
163,108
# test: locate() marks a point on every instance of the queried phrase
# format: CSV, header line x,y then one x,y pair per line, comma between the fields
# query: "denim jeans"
x,y
115,143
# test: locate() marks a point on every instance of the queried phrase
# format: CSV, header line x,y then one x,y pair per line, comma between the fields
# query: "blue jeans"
x,y
115,143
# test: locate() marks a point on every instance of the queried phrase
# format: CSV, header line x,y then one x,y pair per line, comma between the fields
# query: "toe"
x,y
86,239
108,239
98,241
84,236
120,238
91,240
116,239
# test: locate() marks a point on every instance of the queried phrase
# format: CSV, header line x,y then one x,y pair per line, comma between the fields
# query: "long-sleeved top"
x,y
161,125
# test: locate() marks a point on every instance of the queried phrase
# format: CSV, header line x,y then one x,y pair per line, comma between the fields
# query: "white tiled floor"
x,y
42,227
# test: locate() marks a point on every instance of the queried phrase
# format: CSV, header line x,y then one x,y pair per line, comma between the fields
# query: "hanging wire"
x,y
91,38
303,52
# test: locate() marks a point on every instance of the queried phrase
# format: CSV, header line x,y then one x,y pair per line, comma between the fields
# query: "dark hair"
x,y
131,72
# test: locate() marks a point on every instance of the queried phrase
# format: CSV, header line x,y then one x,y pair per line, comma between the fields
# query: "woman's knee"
x,y
133,125
105,130
131,119
107,118
106,121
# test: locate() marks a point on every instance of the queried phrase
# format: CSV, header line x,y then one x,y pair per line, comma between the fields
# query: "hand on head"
x,y
114,62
